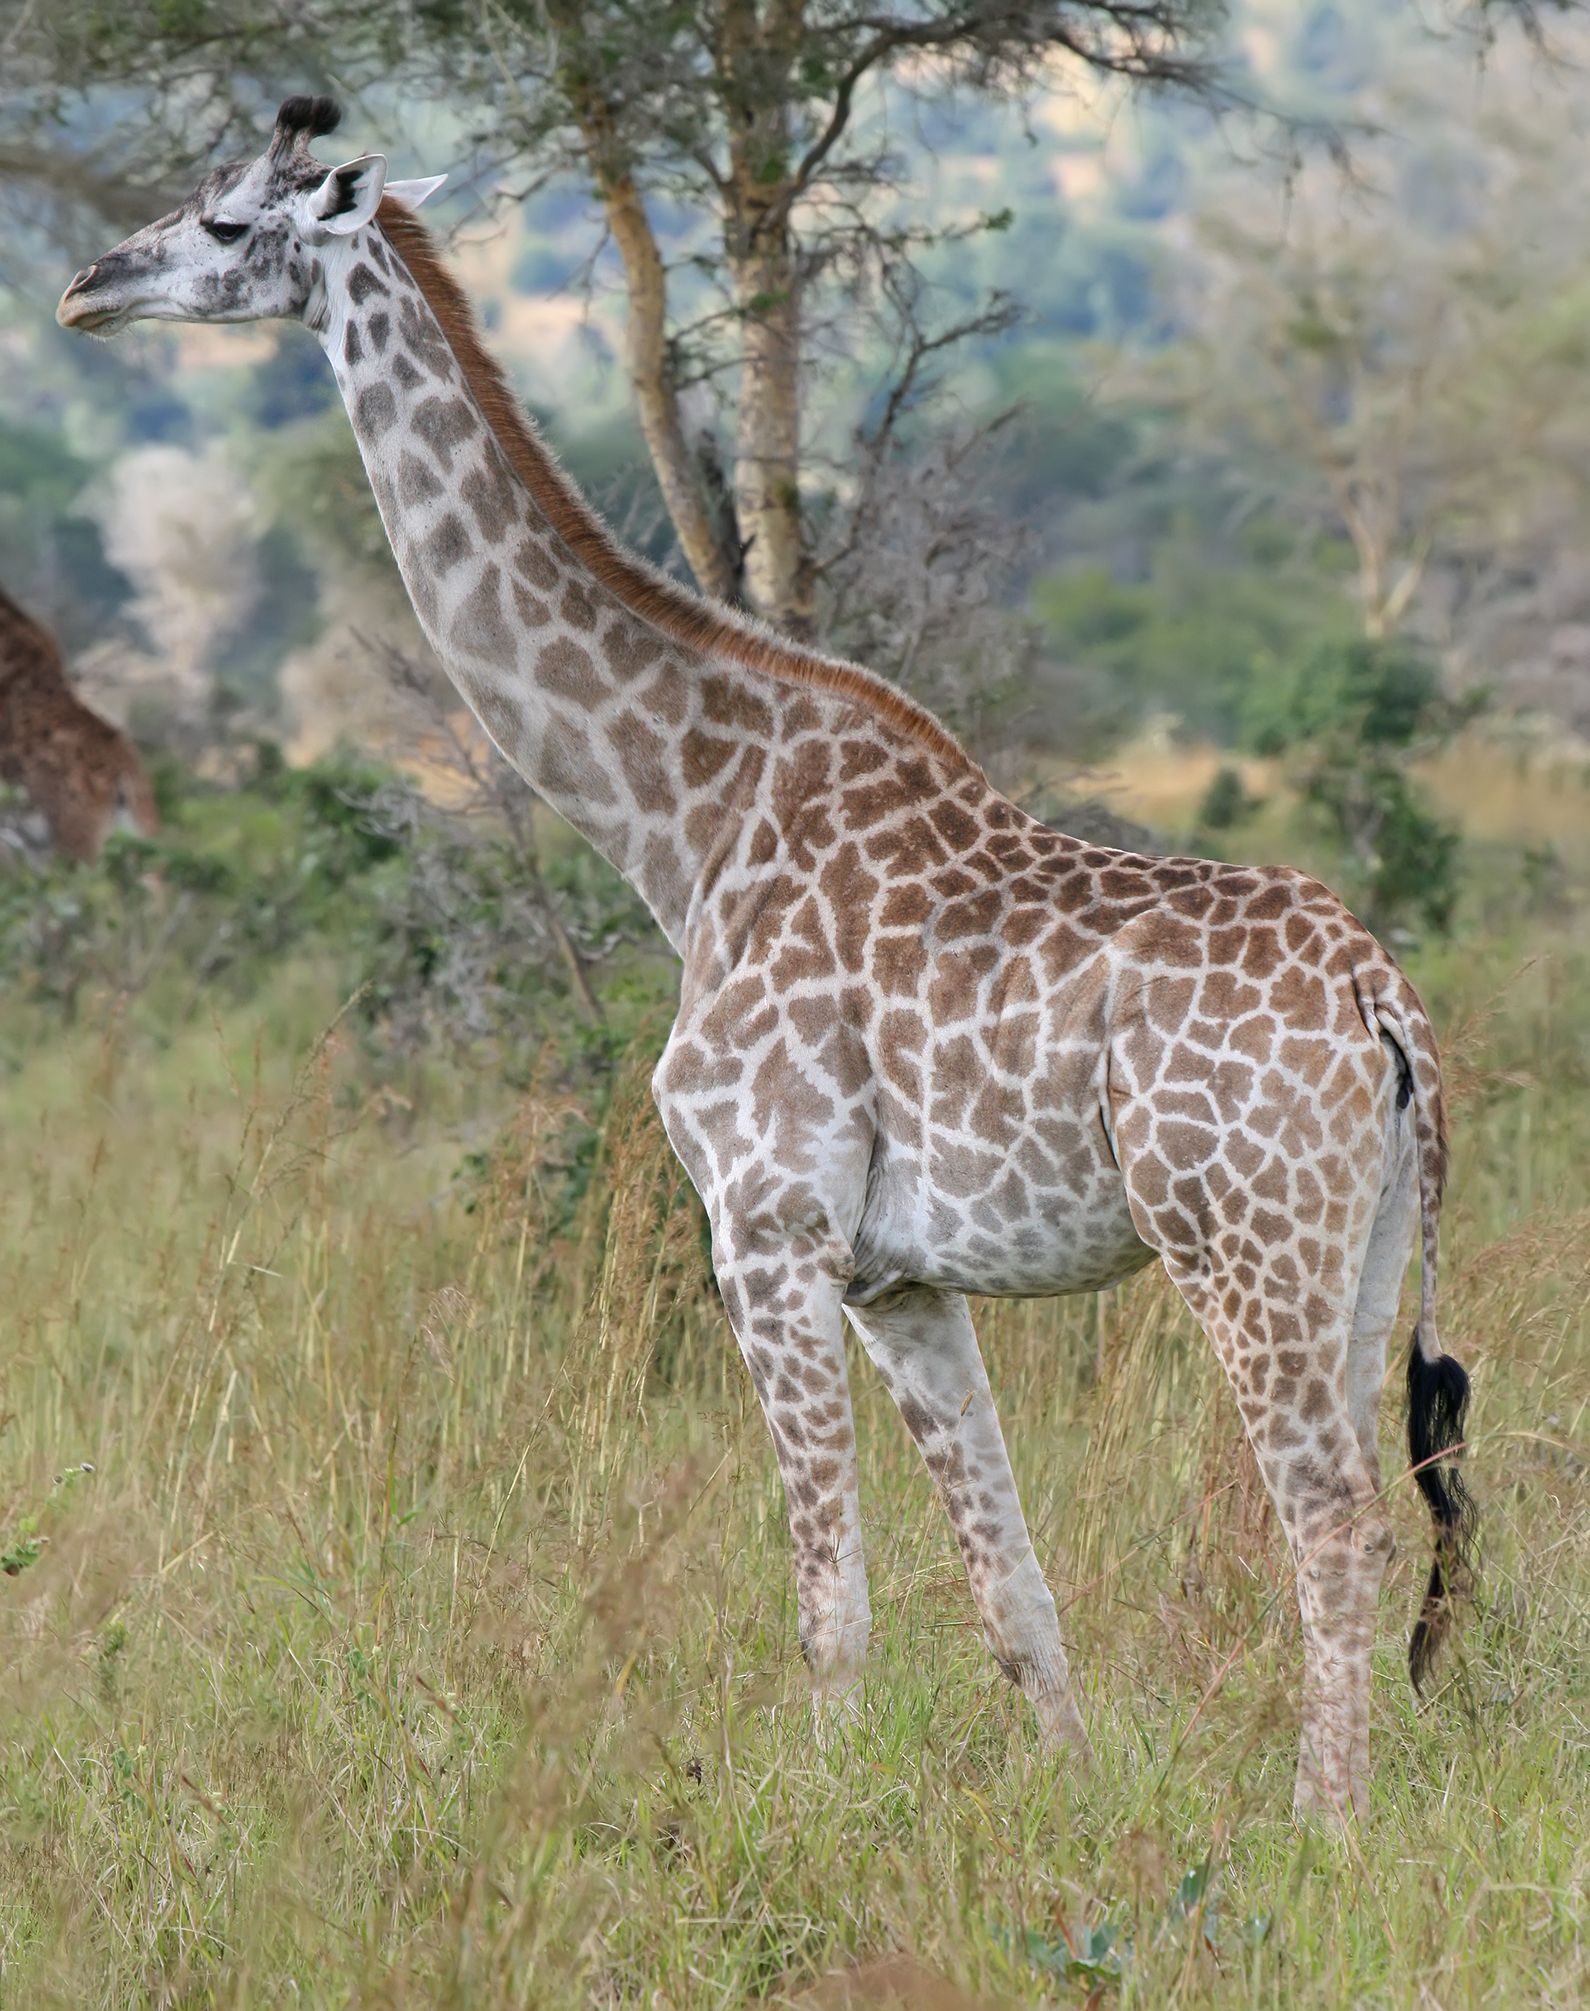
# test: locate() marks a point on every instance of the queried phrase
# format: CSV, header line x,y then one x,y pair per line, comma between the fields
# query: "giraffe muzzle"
x,y
94,303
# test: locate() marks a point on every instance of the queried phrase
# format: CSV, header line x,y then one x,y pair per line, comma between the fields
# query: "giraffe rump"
x,y
1438,1401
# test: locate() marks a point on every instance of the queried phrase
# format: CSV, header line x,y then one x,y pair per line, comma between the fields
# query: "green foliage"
x,y
1200,634
292,383
284,616
1067,447
237,877
44,538
1402,861
1379,695
312,481
439,926
1348,716
36,467
1226,802
1102,1951
25,1548
1238,652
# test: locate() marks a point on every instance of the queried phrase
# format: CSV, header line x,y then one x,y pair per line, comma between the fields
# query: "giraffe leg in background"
x,y
925,1349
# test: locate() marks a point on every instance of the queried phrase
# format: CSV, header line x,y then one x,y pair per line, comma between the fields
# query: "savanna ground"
x,y
397,1607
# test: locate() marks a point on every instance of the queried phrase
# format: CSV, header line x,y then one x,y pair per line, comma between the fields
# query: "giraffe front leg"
x,y
925,1348
784,1304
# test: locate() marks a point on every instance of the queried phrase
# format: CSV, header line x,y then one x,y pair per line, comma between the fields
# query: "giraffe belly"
x,y
934,1219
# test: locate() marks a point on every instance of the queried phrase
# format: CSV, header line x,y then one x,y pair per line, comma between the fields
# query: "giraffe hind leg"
x,y
1291,1378
924,1346
1264,1211
1380,1281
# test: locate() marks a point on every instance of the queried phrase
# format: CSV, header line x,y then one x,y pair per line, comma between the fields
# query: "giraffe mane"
x,y
684,615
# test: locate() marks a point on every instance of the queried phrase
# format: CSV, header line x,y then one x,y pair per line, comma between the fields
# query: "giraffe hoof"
x,y
1061,1728
836,1712
1314,1807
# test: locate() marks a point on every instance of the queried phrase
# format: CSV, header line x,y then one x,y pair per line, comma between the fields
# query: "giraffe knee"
x,y
1361,1539
1022,1627
1343,1566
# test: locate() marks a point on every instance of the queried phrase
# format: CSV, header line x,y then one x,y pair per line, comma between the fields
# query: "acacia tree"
x,y
748,110
1397,362
761,120
758,117
1394,368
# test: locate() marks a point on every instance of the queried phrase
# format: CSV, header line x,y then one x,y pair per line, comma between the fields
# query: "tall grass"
x,y
422,1633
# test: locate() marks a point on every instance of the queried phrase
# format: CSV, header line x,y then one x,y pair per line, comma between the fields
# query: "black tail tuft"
x,y
1438,1401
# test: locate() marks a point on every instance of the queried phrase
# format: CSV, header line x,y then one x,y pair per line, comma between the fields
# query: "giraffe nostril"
x,y
82,280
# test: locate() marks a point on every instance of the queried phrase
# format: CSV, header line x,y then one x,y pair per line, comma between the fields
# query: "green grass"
x,y
423,1634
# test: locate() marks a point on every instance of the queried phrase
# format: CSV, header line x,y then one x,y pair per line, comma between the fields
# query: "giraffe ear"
x,y
412,194
347,199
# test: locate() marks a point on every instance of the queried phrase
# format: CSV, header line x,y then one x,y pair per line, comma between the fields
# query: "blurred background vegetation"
x,y
1233,419
1215,458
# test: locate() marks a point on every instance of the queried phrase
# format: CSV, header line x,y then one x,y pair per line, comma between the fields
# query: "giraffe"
x,y
82,776
925,1046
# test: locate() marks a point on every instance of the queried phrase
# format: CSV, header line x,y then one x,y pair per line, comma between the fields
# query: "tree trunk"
x,y
768,444
755,55
656,400
711,550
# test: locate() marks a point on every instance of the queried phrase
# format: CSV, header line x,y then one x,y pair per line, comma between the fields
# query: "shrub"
x,y
446,926
1226,802
1352,717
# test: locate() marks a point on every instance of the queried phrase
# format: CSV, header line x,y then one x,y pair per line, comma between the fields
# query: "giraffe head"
x,y
249,243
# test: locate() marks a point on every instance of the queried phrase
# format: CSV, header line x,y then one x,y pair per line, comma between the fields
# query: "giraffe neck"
x,y
630,735
28,652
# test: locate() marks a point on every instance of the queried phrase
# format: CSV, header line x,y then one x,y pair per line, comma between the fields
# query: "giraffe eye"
x,y
222,231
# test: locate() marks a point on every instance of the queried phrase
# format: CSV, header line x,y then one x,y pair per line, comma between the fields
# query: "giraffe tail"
x,y
1438,1385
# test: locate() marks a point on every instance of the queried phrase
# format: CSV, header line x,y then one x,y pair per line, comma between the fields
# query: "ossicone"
x,y
307,116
